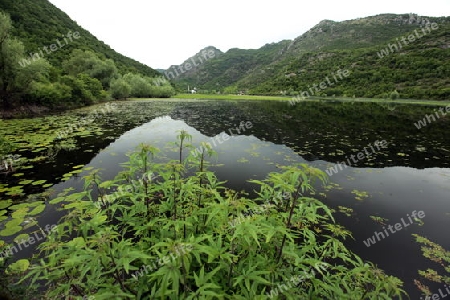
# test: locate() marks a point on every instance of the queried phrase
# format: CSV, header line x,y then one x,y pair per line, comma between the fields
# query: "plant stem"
x,y
181,148
231,266
117,275
288,223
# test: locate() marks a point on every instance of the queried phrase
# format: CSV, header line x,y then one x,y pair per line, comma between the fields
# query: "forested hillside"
x,y
49,60
38,23
371,49
223,71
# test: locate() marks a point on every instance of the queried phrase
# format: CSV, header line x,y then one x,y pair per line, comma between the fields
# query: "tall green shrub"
x,y
155,232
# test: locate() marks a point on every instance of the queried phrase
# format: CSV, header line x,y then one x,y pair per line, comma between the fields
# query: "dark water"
x,y
411,174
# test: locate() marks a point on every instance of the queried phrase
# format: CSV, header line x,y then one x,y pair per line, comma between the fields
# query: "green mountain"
x,y
48,60
378,51
225,69
38,23
190,68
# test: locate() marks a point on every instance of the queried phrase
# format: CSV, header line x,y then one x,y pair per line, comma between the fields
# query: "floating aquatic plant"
x,y
440,256
345,210
360,195
380,220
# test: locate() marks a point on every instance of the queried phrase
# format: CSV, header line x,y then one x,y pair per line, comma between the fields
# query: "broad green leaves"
x,y
174,236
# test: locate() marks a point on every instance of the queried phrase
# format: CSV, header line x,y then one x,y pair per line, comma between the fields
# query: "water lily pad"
x,y
21,237
26,167
20,213
11,230
19,206
25,182
5,203
18,174
37,210
19,266
67,176
39,182
78,167
15,192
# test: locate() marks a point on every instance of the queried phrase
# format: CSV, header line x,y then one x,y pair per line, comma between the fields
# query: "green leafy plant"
x,y
171,238
12,270
437,254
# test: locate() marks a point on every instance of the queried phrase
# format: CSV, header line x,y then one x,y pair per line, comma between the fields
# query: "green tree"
x,y
160,87
89,63
93,85
120,89
85,89
11,51
50,94
17,78
147,87
230,90
140,87
38,71
105,71
165,91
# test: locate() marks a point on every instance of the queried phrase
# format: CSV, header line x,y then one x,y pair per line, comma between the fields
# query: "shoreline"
x,y
32,111
310,99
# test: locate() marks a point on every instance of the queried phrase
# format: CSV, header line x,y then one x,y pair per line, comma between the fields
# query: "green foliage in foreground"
x,y
170,235
440,256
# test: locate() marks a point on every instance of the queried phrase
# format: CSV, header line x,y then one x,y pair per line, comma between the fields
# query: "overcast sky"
x,y
166,32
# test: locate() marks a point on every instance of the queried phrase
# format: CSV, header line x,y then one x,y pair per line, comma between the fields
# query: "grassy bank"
x,y
330,99
229,97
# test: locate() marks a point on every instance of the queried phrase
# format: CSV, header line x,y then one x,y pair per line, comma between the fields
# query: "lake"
x,y
380,186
